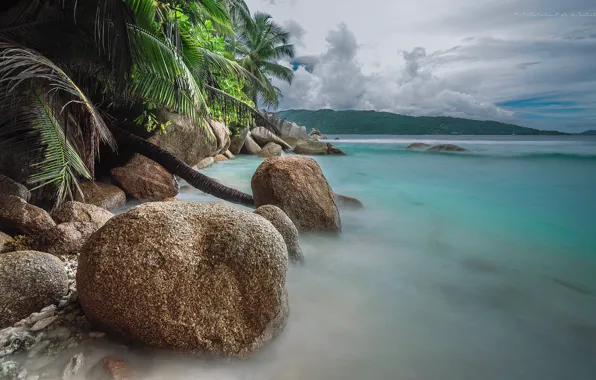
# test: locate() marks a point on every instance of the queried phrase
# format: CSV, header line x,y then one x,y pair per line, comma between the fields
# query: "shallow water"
x,y
472,266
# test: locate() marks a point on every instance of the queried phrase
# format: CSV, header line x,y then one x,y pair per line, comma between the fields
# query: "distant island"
x,y
385,123
591,132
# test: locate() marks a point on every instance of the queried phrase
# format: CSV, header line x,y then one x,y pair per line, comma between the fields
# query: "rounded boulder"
x,y
285,227
30,281
193,277
74,211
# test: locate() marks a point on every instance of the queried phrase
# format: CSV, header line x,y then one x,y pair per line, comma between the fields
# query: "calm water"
x,y
463,266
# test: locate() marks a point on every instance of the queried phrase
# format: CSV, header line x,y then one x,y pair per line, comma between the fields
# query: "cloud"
x,y
296,31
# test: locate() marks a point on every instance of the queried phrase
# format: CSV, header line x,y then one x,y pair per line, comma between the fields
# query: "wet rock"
x,y
146,180
112,368
82,212
291,141
287,128
297,186
333,150
204,163
5,241
417,146
101,194
10,187
75,364
270,150
263,137
18,216
311,147
250,146
286,228
220,157
29,281
66,238
42,324
15,339
208,288
343,201
11,370
447,148
237,141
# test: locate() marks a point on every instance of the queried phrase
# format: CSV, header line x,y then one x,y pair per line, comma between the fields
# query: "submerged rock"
x,y
311,147
29,280
286,228
101,194
74,211
417,146
333,150
297,186
270,150
145,180
347,202
193,277
447,148
10,187
18,216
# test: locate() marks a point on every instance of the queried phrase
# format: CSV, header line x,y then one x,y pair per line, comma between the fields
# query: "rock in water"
x,y
270,150
229,155
145,180
333,150
237,141
347,202
80,212
10,187
18,216
111,368
204,163
193,277
291,141
220,157
102,195
263,136
286,228
29,281
447,148
297,186
250,146
417,146
311,147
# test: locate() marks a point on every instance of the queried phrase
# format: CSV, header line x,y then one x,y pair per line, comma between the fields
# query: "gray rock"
x,y
40,325
263,136
10,187
101,194
82,212
286,228
311,147
168,275
297,185
15,339
417,146
343,201
333,150
270,150
286,127
73,367
29,281
237,141
18,216
447,148
229,155
250,146
204,163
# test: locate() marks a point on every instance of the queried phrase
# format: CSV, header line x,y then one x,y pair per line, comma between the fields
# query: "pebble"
x,y
74,365
42,315
40,325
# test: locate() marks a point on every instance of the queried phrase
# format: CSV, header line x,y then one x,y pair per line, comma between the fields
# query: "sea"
x,y
461,266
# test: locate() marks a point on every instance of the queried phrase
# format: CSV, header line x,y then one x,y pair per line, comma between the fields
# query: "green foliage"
x,y
385,123
149,120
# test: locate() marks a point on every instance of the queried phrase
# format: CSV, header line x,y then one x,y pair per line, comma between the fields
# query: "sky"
x,y
529,62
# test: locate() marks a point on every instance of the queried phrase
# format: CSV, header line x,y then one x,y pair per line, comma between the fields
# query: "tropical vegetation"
x,y
76,76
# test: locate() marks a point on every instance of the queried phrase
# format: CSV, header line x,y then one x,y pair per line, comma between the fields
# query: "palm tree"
x,y
260,43
67,65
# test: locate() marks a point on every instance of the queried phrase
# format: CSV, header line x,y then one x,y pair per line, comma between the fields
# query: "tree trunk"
x,y
178,167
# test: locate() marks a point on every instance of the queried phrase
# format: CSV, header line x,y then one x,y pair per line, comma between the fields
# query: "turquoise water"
x,y
463,266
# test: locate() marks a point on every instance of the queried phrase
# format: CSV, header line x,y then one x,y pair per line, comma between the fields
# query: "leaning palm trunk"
x,y
176,166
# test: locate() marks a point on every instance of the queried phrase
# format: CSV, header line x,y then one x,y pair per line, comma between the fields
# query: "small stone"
x,y
49,308
74,365
40,325
42,315
96,335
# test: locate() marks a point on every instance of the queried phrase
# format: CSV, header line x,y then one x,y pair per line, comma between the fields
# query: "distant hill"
x,y
385,123
591,132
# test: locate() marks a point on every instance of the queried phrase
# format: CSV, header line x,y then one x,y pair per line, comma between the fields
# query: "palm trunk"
x,y
178,167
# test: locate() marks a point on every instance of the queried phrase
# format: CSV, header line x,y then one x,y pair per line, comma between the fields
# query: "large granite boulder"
x,y
5,240
250,146
286,228
263,137
193,277
447,148
101,194
270,150
29,281
10,187
237,141
297,185
66,238
189,141
291,141
311,147
81,212
18,216
287,128
145,180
